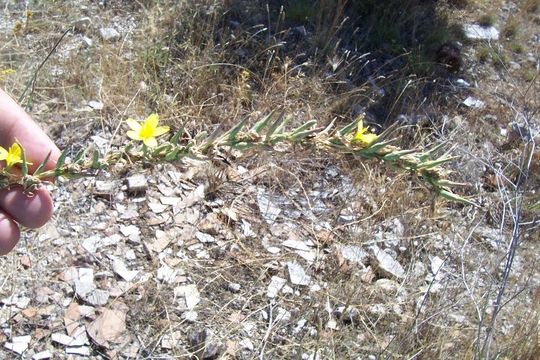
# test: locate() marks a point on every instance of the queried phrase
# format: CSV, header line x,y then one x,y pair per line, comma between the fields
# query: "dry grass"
x,y
198,66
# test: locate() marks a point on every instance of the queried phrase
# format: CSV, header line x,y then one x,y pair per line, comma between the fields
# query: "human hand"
x,y
16,207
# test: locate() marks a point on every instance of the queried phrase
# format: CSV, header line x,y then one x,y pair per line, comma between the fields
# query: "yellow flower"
x,y
146,131
12,156
363,136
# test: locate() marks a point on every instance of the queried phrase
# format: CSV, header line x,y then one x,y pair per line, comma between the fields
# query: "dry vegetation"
x,y
203,63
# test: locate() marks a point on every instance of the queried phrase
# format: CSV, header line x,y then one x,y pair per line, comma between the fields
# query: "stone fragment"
x,y
120,268
233,287
190,294
268,209
436,266
246,344
166,274
190,316
18,344
98,297
42,355
276,283
354,253
109,34
297,274
95,105
386,264
66,340
136,183
78,350
473,103
478,32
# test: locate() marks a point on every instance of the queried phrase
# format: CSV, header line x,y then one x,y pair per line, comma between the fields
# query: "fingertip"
x,y
30,210
9,234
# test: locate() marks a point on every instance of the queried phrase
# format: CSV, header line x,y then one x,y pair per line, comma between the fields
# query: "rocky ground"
x,y
271,255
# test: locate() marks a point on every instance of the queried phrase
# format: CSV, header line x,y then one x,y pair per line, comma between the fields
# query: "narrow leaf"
x,y
95,160
275,125
261,124
80,156
176,138
41,166
349,128
231,134
60,162
24,165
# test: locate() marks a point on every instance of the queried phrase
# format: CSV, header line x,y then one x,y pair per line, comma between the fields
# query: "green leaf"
x,y
60,162
434,163
303,128
176,138
231,134
397,154
80,156
173,155
275,125
95,160
24,165
453,197
261,124
349,128
41,166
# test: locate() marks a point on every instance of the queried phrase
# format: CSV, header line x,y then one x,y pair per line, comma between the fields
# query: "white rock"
x,y
42,355
96,105
246,229
18,300
84,284
78,350
273,250
157,208
66,340
136,183
120,268
190,316
246,344
18,344
204,237
436,266
130,231
478,32
97,297
297,274
296,244
354,253
109,34
387,264
287,290
276,284
282,315
473,103
166,274
299,326
268,209
189,293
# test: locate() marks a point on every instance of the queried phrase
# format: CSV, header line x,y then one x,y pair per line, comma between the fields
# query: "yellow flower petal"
x,y
152,121
160,130
150,142
134,125
3,153
134,135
